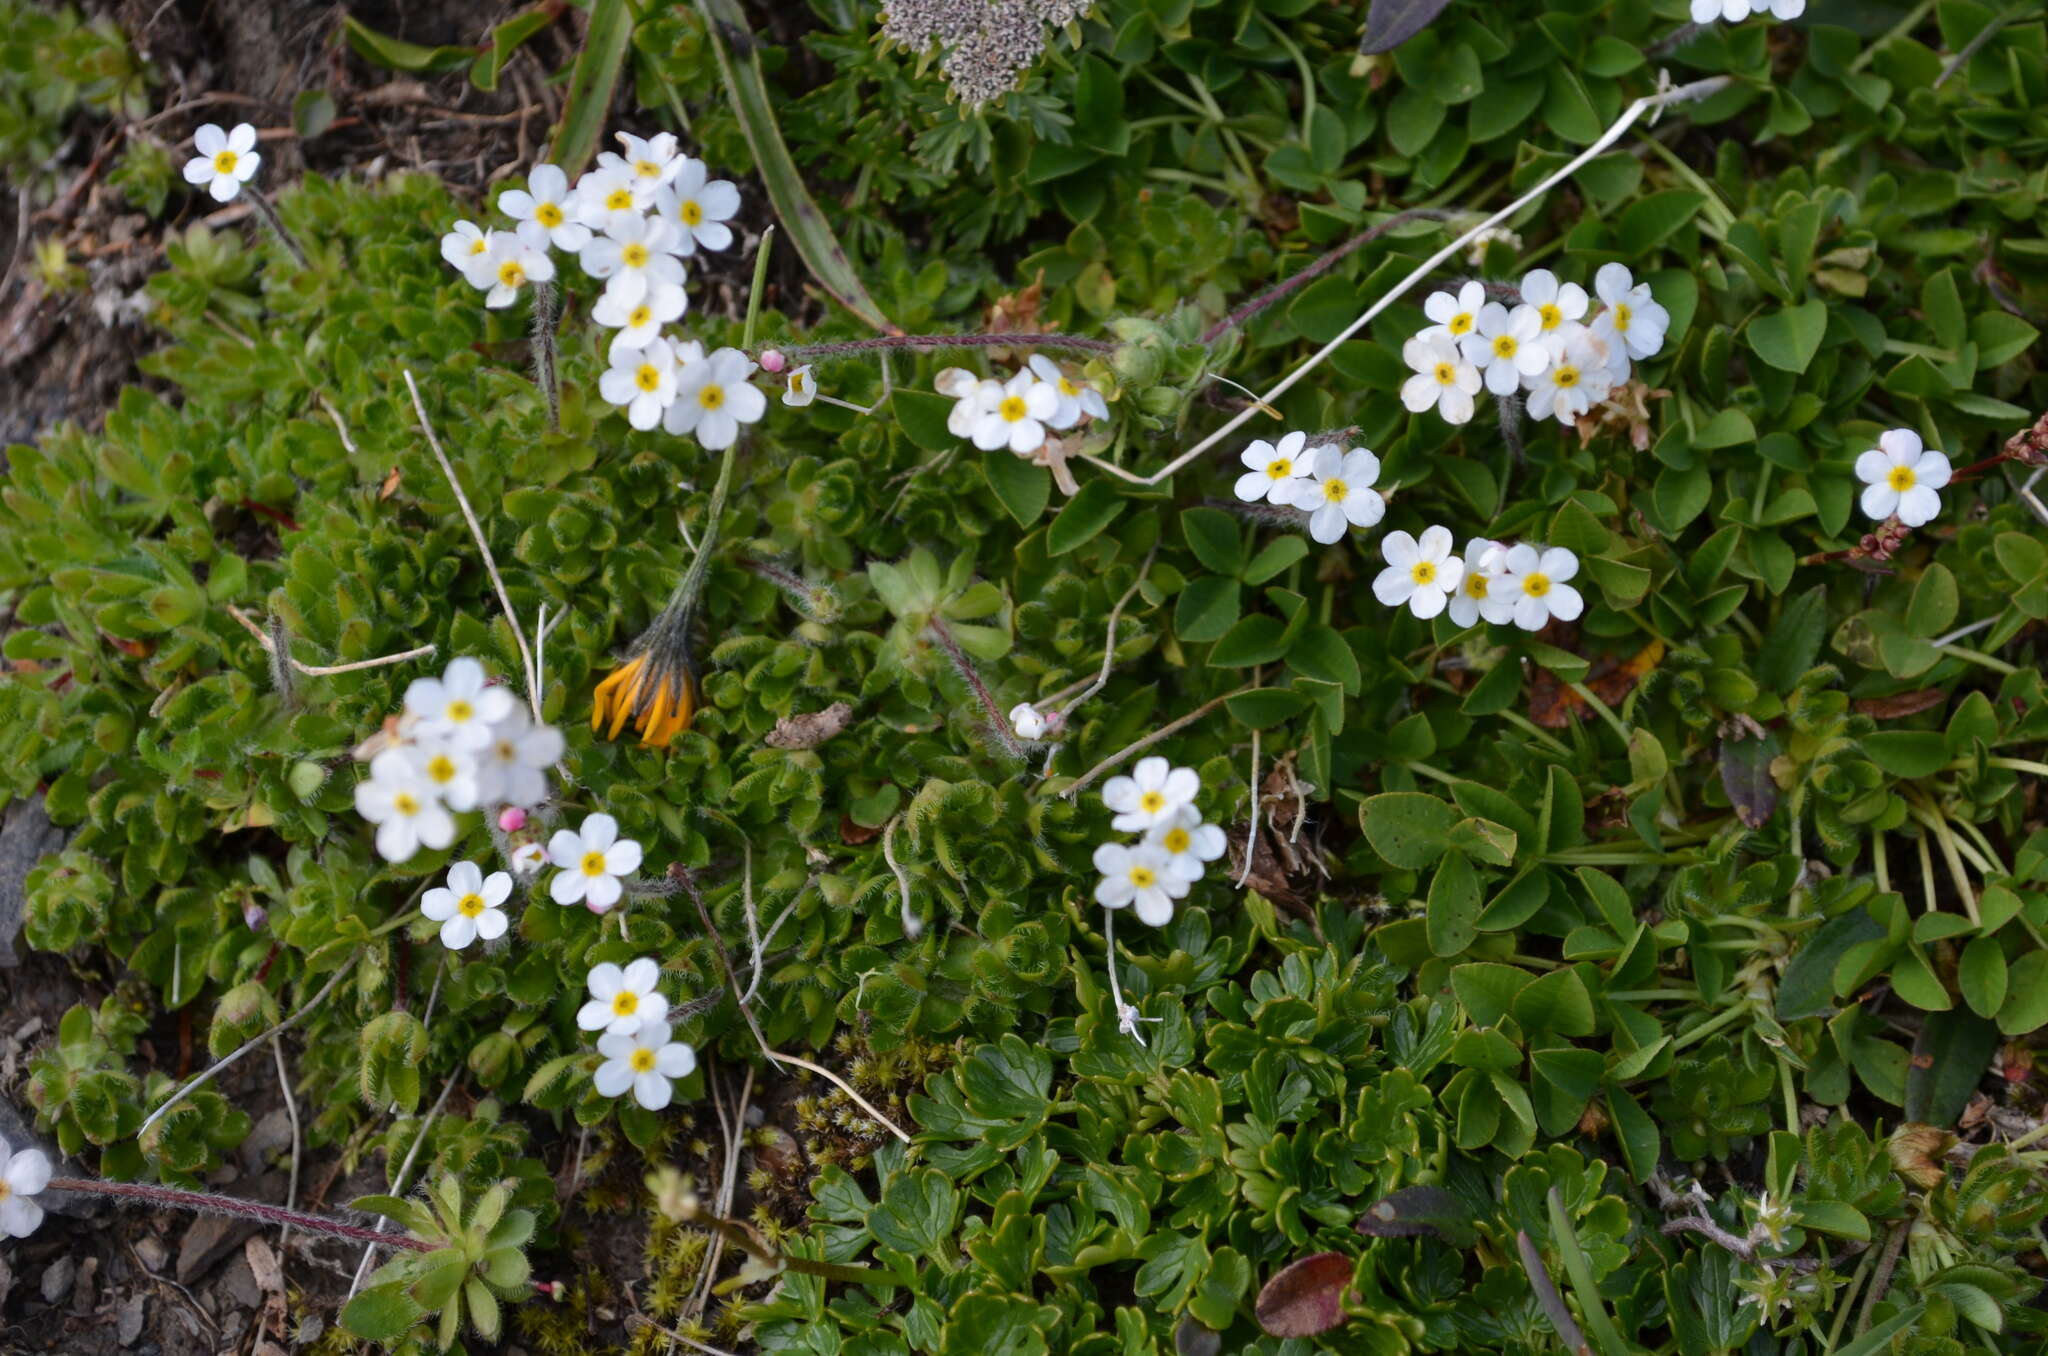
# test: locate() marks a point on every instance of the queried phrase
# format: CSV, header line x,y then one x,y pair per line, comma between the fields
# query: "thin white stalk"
x,y
398,1184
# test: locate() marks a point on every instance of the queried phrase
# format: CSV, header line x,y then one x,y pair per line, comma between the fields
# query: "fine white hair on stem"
x,y
1698,89
1109,643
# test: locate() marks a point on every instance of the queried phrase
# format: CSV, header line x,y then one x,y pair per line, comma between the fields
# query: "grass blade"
x,y
1606,1339
592,84
794,206
1879,1338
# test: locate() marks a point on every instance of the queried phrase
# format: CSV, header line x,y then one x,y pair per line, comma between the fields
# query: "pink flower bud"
x,y
511,819
772,360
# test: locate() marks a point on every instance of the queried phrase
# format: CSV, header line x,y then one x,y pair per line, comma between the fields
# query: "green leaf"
x,y
1258,639
1022,488
382,1313
1807,988
1207,608
1556,1002
1407,828
1453,906
1949,1058
2025,1009
1264,707
591,82
1085,515
1907,753
1982,976
506,39
1879,1338
916,1212
1389,23
1934,603
1788,338
1213,536
1653,218
396,54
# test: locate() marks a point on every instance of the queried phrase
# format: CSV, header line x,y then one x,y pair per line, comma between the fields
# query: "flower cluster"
x,y
631,221
628,1009
1332,485
460,744
1017,413
1524,584
225,162
1735,11
1542,346
1157,800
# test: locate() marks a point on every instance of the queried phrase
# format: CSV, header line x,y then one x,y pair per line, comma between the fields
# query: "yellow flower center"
x,y
5,1191
1475,584
1461,323
1176,841
406,803
1280,468
1336,491
642,1060
1505,346
1445,374
625,1003
512,273
224,162
1552,317
1567,377
548,215
1422,572
1902,478
1621,316
1068,387
634,256
460,710
1143,877
593,863
638,316
441,768
1012,409
647,377
799,383
1536,585
1152,802
690,212
711,397
646,169
469,906
618,200
479,245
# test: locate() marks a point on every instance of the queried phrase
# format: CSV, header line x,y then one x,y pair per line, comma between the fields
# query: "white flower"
x,y
1442,377
634,253
1476,596
1423,574
606,198
1455,316
403,807
592,860
623,1001
1555,305
699,209
1338,490
972,397
1272,469
545,211
1774,1217
1152,795
647,164
646,1061
1019,415
464,243
1188,843
1577,376
467,906
449,772
1075,399
800,388
1137,876
1534,581
528,859
1735,11
643,381
713,399
225,162
1506,346
505,267
639,322
459,707
1900,478
1632,320
1026,721
22,1174
512,767
1475,253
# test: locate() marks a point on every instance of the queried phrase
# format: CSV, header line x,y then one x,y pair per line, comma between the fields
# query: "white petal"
x,y
602,892
613,1077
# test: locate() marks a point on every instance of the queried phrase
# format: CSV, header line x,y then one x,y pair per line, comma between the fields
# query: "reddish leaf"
x,y
1901,704
1307,1297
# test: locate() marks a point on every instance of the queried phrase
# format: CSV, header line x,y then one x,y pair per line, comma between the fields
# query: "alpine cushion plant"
x,y
1236,850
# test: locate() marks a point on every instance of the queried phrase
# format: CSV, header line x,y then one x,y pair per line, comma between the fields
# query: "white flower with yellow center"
x,y
528,859
642,381
1506,346
634,254
698,206
1477,595
1735,11
1633,325
592,859
545,211
23,1173
448,771
464,243
1576,379
1900,477
1455,315
639,323
1154,794
1420,574
1535,581
507,265
512,768
1442,377
647,1062
1138,878
606,198
1272,468
1189,844
467,907
800,388
403,806
714,397
623,1000
1338,492
225,162
647,164
459,708
972,397
1075,398
1018,418
1557,305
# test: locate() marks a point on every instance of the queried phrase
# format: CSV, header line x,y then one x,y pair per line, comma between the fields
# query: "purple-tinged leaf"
x,y
1306,1297
1419,1210
1392,22
1746,776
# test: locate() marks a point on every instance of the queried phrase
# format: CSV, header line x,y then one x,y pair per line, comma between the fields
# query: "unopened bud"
x,y
511,819
254,916
1918,1151
772,360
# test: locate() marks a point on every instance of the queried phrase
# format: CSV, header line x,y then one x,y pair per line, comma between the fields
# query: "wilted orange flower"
x,y
658,698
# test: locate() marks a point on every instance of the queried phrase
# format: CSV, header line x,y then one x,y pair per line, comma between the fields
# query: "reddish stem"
x,y
806,352
202,1203
967,670
1978,468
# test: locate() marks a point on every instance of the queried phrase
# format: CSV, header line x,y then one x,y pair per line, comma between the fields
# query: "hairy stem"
x,y
201,1202
996,719
1315,270
810,352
